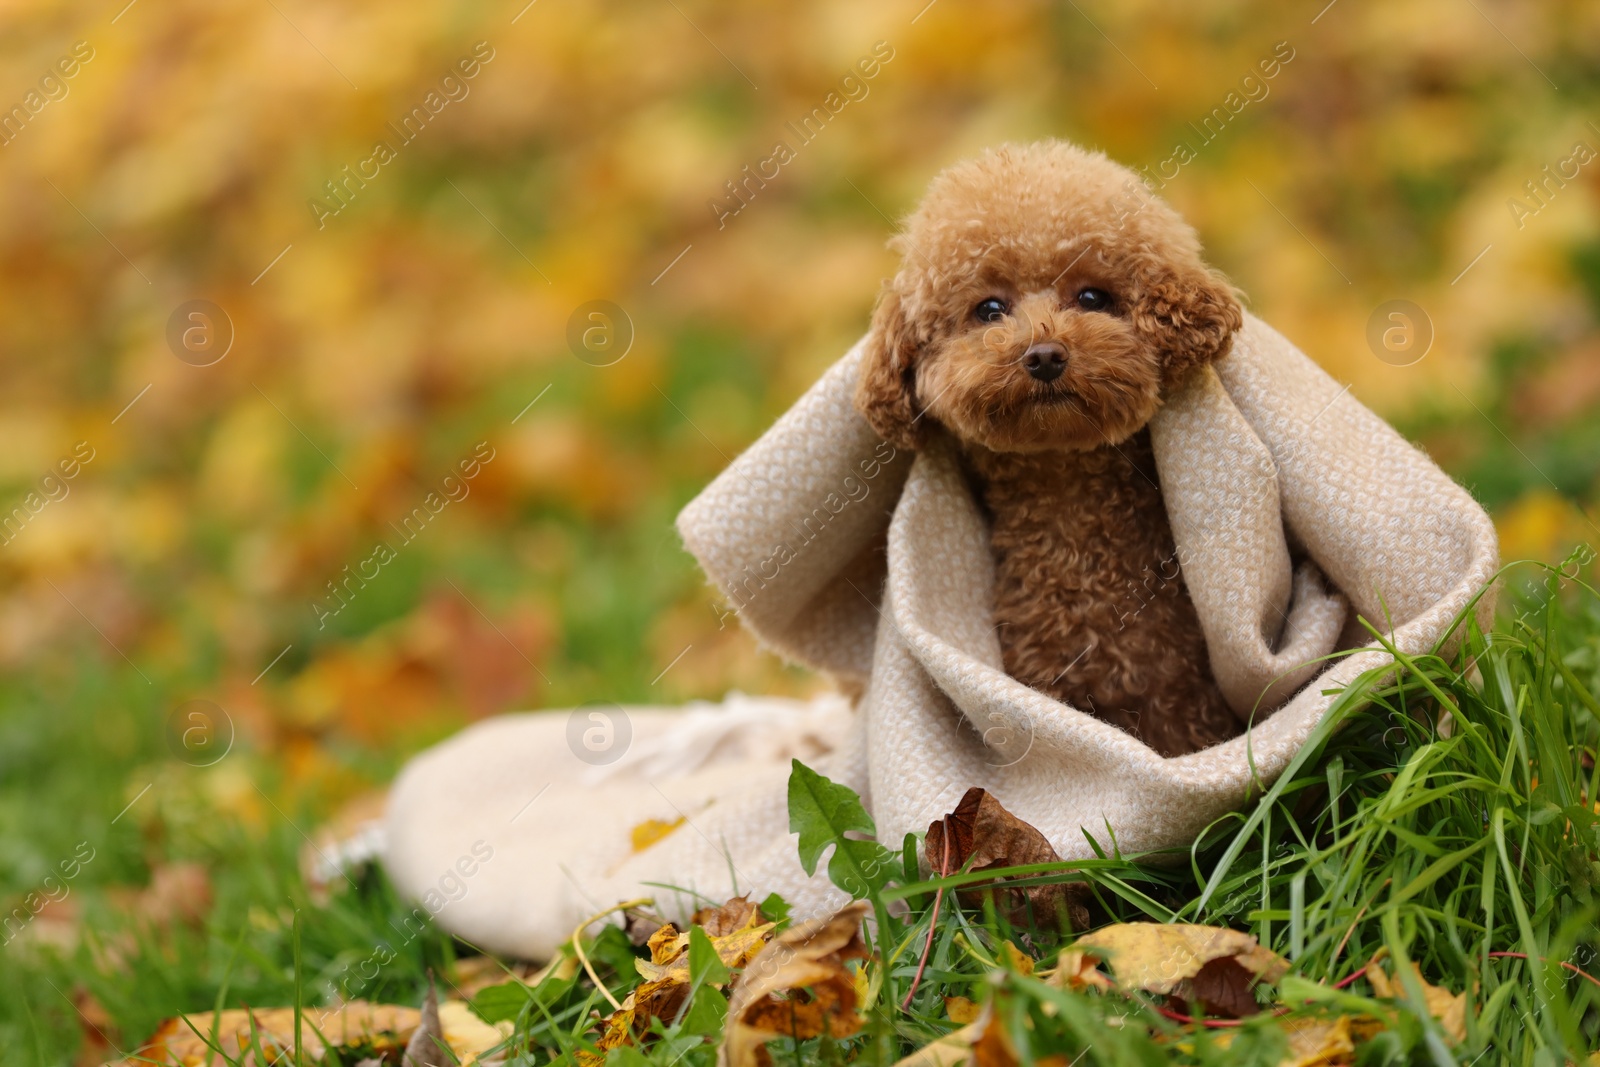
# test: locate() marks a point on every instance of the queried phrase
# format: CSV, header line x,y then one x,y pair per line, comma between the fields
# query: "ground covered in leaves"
x,y
1420,887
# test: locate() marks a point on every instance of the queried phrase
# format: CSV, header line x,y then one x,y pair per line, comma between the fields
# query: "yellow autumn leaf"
x,y
1018,960
1076,970
356,1025
948,1051
1155,957
1447,1007
1314,1041
650,831
670,959
961,1010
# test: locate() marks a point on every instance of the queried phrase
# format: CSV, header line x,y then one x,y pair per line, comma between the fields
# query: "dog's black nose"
x,y
1045,361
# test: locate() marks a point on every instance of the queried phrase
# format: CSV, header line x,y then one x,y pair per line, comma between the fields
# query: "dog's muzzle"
x,y
1045,361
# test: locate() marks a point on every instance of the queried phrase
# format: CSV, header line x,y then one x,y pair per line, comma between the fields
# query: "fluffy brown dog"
x,y
1046,303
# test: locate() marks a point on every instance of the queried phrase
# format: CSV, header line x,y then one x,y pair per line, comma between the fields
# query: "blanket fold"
x,y
1294,510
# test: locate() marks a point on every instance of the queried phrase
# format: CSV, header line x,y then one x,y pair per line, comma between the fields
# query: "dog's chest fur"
x,y
1090,604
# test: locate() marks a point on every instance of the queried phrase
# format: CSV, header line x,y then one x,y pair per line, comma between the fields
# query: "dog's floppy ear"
x,y
885,392
1189,312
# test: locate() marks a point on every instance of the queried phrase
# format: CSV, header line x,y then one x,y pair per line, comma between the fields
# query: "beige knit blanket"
x,y
874,566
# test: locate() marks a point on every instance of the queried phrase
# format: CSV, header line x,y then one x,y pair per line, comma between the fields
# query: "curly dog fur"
x,y
1045,303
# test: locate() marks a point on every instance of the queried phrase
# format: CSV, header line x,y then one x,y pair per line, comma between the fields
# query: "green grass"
x,y
1470,849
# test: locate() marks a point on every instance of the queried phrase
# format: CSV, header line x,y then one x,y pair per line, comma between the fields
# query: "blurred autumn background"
x,y
382,337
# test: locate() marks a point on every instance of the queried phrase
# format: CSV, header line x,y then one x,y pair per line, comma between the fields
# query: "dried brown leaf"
x,y
798,986
1223,987
737,914
423,1049
982,831
738,931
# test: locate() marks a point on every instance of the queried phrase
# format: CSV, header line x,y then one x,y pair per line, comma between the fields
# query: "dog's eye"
x,y
989,310
1094,299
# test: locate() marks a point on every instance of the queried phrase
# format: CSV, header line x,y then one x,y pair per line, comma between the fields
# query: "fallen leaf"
x,y
1447,1007
1016,959
650,831
640,925
737,931
468,1036
423,1049
730,917
982,833
1075,970
949,1051
798,986
1314,1041
665,945
993,1048
618,1031
355,1027
1223,987
1319,1042
669,959
1215,966
961,1010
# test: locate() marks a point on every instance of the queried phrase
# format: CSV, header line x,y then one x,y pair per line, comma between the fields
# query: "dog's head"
x,y
1045,301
